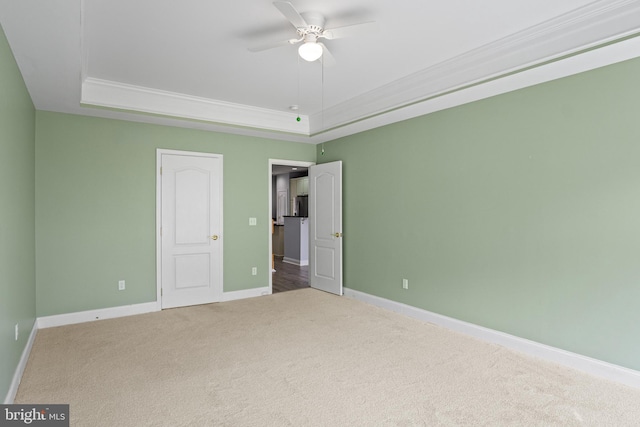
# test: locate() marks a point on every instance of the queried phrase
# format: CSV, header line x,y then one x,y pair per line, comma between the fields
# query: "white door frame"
x,y
159,153
272,162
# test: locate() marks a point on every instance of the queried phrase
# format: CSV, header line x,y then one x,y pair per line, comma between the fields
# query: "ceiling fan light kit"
x,y
310,51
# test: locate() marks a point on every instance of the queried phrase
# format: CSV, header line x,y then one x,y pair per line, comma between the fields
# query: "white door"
x,y
325,227
191,233
281,209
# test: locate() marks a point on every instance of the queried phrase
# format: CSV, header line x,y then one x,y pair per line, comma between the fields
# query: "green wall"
x,y
17,209
520,213
95,216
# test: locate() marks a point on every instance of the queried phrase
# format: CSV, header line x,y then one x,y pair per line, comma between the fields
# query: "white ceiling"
x,y
186,62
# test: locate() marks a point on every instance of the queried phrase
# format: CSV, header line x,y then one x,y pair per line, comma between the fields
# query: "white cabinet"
x,y
293,187
303,186
297,187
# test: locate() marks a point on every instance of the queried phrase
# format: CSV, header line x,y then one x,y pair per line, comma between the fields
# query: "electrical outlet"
x,y
253,221
121,285
254,271
405,283
17,332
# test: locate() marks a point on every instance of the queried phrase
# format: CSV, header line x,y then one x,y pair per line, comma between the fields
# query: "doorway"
x,y
290,268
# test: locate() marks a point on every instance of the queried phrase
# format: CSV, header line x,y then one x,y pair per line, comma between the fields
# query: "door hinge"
x,y
160,291
160,170
160,231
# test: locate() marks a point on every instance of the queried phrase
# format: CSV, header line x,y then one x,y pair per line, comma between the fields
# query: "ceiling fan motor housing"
x,y
315,23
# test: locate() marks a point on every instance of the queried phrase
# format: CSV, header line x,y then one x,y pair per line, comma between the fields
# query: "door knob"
x,y
214,237
337,234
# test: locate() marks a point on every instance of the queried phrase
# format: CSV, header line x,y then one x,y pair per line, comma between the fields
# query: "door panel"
x,y
191,218
325,223
192,198
192,270
325,265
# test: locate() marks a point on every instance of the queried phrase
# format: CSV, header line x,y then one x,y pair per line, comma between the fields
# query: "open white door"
x,y
325,227
191,221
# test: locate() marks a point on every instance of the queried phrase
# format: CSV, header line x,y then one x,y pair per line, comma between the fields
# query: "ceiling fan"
x,y
310,29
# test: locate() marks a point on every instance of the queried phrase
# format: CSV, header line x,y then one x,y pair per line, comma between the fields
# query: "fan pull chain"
x,y
322,106
299,84
322,99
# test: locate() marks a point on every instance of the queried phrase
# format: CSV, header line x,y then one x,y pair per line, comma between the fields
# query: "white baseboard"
x,y
130,310
22,363
582,363
298,262
99,314
245,293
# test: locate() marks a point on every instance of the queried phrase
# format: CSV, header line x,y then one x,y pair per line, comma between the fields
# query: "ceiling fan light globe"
x,y
310,51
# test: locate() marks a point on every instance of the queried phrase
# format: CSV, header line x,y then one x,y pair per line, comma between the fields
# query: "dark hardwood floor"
x,y
289,277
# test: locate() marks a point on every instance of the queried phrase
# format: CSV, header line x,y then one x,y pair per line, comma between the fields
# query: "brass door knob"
x,y
337,234
214,237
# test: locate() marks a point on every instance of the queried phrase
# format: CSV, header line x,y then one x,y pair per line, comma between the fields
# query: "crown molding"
x,y
587,33
590,26
120,96
593,59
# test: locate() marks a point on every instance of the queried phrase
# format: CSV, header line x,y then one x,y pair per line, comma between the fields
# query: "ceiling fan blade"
x,y
350,30
270,45
327,58
291,13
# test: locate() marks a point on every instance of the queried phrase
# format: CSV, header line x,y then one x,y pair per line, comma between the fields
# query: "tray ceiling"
x,y
187,63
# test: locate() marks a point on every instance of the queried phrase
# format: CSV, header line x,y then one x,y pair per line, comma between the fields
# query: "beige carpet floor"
x,y
304,358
